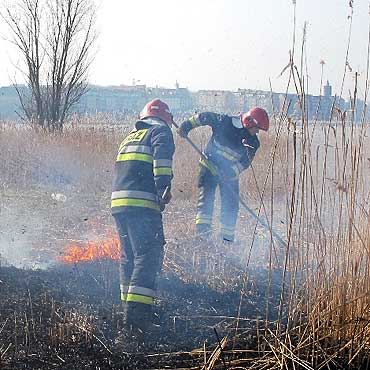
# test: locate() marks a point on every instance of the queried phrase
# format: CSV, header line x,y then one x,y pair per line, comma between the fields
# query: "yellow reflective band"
x,y
208,165
135,157
203,216
226,155
123,297
236,171
200,220
162,171
134,203
225,149
134,136
194,121
131,297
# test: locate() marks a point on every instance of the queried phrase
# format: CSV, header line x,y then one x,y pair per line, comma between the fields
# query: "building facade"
x,y
130,99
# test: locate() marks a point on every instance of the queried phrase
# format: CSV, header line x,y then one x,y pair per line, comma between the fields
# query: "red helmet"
x,y
256,117
159,109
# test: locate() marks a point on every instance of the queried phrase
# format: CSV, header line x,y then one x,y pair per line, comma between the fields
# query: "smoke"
x,y
18,232
14,252
14,244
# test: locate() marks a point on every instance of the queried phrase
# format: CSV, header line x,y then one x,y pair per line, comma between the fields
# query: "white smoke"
x,y
18,232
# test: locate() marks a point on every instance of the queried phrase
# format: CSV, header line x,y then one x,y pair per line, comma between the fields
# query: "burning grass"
x,y
108,248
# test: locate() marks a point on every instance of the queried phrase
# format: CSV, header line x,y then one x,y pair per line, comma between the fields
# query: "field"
x,y
257,304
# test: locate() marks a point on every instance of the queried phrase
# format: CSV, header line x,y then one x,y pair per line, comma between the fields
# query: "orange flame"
x,y
93,251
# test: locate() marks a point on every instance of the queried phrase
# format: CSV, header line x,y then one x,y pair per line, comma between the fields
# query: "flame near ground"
x,y
93,250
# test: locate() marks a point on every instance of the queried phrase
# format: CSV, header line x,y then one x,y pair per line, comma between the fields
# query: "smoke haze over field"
x,y
14,237
219,44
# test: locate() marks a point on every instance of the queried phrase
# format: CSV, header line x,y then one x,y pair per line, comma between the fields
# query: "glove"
x,y
181,132
164,199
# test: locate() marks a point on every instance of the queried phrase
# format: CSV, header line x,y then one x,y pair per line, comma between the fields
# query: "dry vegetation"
x,y
310,182
312,186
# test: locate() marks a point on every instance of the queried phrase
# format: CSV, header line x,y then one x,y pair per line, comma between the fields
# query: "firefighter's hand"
x,y
181,132
163,202
166,197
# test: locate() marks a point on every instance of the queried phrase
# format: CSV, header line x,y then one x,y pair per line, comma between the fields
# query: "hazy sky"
x,y
220,44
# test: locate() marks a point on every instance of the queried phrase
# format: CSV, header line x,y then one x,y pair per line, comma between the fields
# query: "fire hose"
x,y
242,202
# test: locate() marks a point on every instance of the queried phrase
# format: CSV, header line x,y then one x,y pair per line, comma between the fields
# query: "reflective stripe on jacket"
x,y
230,149
143,167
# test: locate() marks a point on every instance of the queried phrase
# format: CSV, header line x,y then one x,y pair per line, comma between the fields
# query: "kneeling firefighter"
x,y
230,151
141,188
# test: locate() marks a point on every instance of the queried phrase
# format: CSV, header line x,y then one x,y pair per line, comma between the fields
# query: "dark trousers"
x,y
229,193
142,240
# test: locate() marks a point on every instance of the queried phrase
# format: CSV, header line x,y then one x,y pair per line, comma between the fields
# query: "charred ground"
x,y
70,315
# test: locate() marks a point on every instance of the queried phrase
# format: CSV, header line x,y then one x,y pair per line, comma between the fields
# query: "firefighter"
x,y
141,189
230,151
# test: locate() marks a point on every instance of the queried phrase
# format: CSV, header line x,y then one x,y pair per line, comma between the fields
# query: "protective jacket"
x,y
230,149
143,167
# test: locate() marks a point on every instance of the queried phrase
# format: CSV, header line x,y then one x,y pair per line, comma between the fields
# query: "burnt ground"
x,y
68,316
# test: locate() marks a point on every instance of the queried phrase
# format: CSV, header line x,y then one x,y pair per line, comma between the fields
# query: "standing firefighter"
x,y
141,188
230,150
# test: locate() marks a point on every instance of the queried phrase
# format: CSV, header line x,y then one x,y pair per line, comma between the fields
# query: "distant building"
x,y
327,90
119,99
224,101
216,100
125,100
247,98
178,99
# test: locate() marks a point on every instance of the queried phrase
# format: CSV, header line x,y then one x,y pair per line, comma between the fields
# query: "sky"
x,y
220,44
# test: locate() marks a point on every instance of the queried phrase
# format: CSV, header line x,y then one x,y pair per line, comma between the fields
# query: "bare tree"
x,y
55,39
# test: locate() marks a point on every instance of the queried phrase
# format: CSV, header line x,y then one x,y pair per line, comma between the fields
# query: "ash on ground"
x,y
67,317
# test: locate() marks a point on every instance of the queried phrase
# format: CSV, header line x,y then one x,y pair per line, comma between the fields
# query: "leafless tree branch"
x,y
55,39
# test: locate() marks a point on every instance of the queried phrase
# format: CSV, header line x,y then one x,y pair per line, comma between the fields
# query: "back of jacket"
x,y
230,149
143,168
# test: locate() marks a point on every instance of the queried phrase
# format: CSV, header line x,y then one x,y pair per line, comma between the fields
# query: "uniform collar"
x,y
236,121
150,121
154,121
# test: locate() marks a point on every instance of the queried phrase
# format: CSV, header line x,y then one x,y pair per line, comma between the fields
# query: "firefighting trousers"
x,y
142,240
229,194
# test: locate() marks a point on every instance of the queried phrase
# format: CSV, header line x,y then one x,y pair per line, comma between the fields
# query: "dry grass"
x,y
31,158
83,157
315,179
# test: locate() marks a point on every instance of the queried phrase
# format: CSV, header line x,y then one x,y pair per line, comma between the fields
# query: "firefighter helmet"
x,y
256,117
158,109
